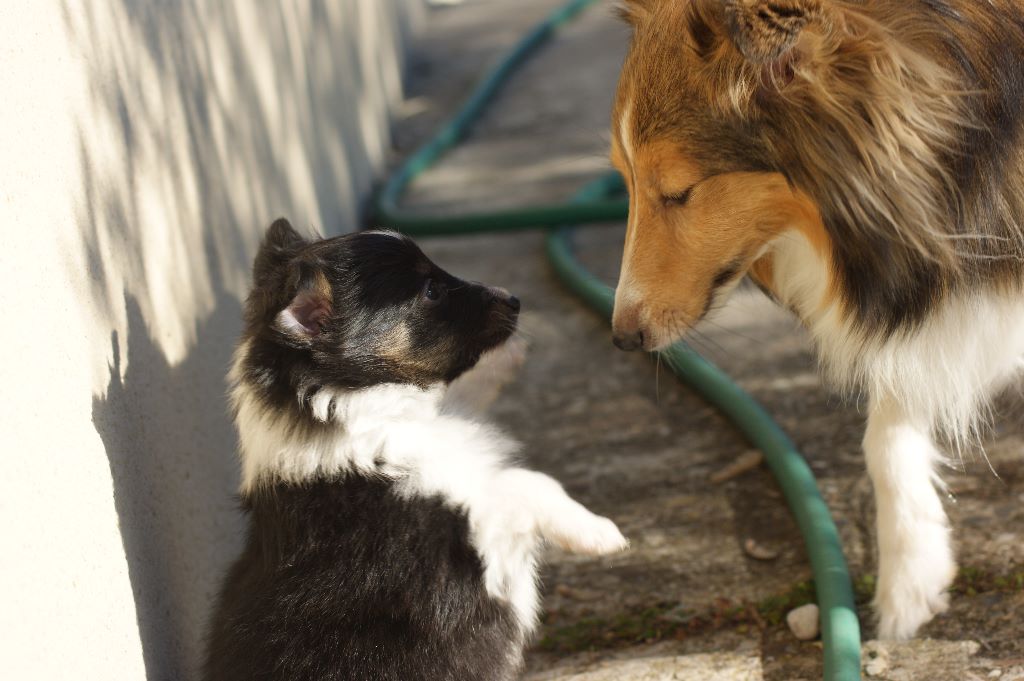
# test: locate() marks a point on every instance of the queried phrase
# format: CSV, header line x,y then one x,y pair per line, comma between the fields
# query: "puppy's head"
x,y
363,310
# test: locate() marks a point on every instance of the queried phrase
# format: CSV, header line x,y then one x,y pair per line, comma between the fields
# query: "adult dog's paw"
x,y
912,589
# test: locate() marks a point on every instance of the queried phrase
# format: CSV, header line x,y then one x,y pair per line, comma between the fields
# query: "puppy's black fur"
x,y
342,580
340,577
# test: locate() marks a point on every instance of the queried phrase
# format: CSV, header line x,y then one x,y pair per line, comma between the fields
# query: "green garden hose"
x,y
601,201
386,206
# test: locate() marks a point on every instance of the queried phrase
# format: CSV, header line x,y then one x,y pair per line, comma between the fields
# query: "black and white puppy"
x,y
389,536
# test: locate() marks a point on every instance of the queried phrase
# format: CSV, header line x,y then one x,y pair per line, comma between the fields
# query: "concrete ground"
x,y
687,601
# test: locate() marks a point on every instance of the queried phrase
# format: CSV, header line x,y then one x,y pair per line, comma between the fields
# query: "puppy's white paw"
x,y
588,534
912,590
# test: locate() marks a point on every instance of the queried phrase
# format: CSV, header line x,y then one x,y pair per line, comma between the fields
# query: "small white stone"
x,y
804,622
876,658
876,667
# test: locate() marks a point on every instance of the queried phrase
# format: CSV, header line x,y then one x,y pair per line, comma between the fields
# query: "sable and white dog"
x,y
390,538
863,162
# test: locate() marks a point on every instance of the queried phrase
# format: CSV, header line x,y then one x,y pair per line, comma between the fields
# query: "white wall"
x,y
144,144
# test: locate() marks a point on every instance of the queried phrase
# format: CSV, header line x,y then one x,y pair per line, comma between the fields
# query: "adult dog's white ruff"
x,y
932,382
410,435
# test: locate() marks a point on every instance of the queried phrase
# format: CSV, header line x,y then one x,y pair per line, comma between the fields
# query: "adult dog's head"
x,y
741,123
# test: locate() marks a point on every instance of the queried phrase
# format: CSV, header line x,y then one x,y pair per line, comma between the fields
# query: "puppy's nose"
x,y
629,340
502,295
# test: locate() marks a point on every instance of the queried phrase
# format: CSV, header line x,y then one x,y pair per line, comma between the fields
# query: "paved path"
x,y
686,602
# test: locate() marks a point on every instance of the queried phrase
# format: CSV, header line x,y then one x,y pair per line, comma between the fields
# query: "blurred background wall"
x,y
144,145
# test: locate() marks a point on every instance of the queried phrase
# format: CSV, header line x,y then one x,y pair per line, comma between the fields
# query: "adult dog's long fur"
x,y
863,162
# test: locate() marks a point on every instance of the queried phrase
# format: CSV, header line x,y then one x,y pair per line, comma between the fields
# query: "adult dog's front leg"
x,y
915,558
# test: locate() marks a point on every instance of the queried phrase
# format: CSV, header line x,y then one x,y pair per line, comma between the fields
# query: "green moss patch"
x,y
669,621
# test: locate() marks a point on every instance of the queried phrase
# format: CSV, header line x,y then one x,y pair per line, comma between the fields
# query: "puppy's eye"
x,y
433,291
678,199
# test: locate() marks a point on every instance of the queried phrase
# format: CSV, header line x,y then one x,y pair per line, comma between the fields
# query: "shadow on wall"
x,y
208,119
169,443
204,121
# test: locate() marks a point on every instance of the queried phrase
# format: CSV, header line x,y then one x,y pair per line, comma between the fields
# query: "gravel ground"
x,y
687,601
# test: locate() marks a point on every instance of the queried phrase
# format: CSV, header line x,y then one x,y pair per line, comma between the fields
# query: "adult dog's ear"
x,y
765,31
636,12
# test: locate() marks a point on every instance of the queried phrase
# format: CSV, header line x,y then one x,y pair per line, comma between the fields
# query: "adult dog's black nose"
x,y
629,341
513,302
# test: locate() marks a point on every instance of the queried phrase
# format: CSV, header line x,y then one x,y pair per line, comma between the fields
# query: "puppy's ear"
x,y
636,12
280,244
766,31
311,305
